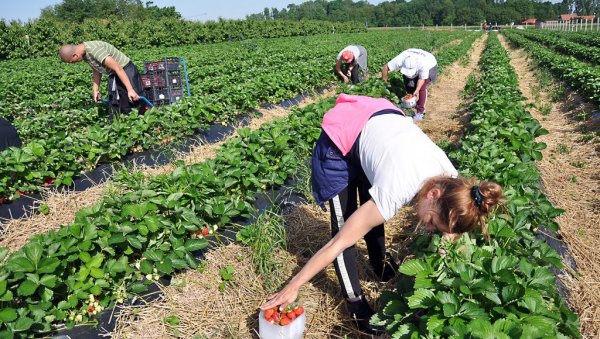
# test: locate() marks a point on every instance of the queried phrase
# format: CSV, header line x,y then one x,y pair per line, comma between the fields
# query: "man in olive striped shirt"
x,y
124,82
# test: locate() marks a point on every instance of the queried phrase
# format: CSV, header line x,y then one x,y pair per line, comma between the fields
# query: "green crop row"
x,y
128,240
583,38
65,133
579,75
497,288
564,46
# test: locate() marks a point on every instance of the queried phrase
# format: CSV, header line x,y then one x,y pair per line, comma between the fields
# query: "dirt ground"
x,y
571,180
63,206
194,305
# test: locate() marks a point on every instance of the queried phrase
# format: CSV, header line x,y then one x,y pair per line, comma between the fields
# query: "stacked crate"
x,y
162,81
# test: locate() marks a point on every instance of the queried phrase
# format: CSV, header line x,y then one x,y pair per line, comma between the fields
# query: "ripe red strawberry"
x,y
285,321
298,310
275,317
91,309
291,315
205,231
269,314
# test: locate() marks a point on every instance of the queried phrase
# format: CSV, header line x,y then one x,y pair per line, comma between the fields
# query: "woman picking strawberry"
x,y
369,149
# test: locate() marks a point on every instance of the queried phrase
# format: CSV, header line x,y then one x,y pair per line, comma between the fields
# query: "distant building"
x,y
575,18
567,17
530,21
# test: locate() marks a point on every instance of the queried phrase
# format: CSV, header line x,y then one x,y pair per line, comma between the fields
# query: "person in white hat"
x,y
419,69
351,64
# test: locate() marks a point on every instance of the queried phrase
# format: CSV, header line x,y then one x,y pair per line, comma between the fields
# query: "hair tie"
x,y
476,194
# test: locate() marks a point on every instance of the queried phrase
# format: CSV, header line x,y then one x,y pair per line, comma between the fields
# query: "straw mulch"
x,y
202,310
63,206
570,179
308,230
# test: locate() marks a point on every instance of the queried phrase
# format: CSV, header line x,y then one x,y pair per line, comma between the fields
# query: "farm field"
x,y
64,132
148,226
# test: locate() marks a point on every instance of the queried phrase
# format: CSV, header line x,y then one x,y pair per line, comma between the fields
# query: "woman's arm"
x,y
338,69
360,223
384,72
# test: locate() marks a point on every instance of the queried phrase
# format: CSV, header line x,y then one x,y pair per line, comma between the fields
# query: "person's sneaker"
x,y
388,269
418,116
361,312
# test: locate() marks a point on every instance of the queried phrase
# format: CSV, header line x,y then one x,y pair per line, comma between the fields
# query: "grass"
x,y
470,86
563,149
581,115
558,93
264,237
578,164
545,109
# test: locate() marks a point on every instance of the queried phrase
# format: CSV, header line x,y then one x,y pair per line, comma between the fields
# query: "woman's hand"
x,y
282,299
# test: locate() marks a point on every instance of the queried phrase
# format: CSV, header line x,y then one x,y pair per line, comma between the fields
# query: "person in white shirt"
x,y
351,64
369,150
419,70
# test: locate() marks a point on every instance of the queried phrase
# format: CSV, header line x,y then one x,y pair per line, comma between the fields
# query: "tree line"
x,y
429,12
129,24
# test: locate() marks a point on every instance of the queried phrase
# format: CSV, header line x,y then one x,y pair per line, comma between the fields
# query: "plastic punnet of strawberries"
x,y
284,317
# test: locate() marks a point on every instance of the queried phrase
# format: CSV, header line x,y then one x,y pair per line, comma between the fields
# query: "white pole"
x,y
450,27
423,27
465,27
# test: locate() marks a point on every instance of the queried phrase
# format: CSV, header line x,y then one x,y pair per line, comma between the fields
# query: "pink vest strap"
x,y
344,122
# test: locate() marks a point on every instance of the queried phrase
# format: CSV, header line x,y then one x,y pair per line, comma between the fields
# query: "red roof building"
x,y
530,21
567,17
586,17
570,17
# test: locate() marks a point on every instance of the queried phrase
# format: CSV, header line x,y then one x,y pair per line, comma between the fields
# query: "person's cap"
x,y
347,56
409,66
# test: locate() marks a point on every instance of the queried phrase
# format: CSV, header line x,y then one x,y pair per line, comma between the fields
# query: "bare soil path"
x,y
199,306
571,179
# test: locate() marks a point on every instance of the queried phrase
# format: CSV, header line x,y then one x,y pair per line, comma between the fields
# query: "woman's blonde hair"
x,y
463,204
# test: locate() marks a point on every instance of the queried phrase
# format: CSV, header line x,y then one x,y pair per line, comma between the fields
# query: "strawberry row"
x,y
580,75
127,241
502,287
61,141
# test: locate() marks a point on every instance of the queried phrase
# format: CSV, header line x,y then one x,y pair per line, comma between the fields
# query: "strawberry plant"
x,y
65,133
127,241
503,287
580,75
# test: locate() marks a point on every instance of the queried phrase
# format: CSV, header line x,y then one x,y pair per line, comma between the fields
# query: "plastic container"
x,y
295,330
409,101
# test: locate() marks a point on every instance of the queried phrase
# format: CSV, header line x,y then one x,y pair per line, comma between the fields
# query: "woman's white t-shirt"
x,y
397,158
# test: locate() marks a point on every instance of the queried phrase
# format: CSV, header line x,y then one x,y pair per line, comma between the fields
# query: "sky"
x,y
200,10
